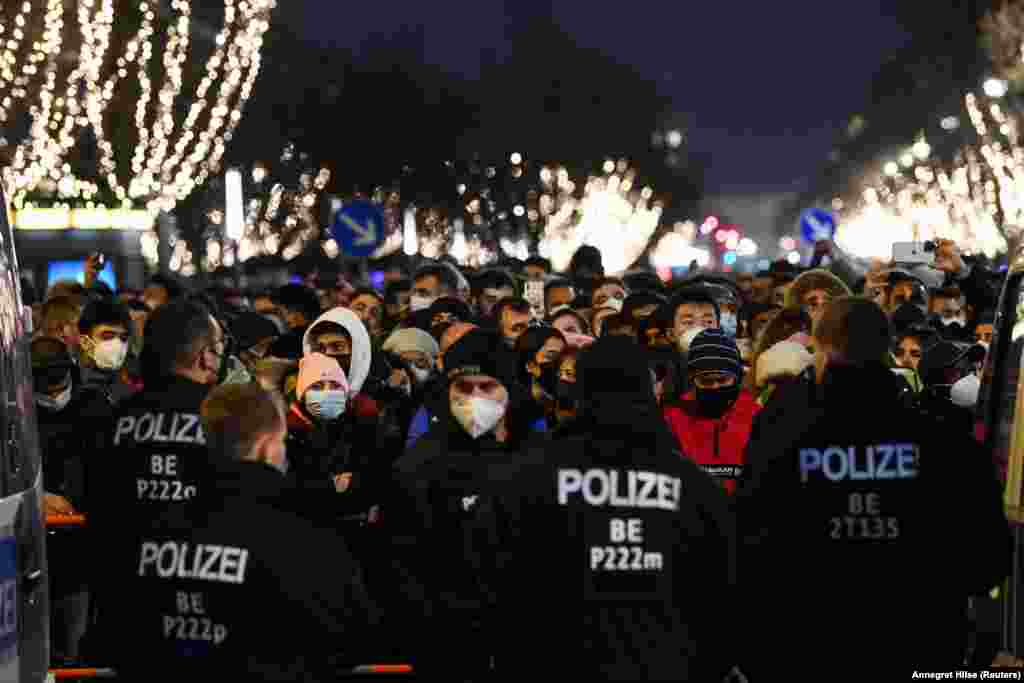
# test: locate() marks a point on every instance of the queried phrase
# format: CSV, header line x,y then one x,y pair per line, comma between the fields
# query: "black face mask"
x,y
565,392
714,403
549,378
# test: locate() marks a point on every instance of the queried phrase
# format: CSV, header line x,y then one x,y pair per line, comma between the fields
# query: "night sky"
x,y
764,84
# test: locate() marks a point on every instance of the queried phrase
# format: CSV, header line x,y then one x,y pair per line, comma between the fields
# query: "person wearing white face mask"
x,y
951,383
439,482
430,284
105,334
949,316
417,348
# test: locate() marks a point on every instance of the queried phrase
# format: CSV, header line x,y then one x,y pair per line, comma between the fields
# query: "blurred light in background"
x,y
410,238
995,87
234,226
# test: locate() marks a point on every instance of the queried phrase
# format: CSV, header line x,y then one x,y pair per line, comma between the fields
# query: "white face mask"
x,y
326,405
687,338
728,323
421,375
421,303
946,322
110,354
478,415
55,403
984,345
964,392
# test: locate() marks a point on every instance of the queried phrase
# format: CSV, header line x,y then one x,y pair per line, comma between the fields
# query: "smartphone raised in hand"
x,y
914,253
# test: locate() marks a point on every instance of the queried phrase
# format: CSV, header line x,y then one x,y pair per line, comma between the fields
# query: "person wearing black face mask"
x,y
538,349
66,417
713,420
566,389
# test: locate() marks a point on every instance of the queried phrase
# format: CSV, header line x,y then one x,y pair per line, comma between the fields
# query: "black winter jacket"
x,y
850,503
239,587
608,555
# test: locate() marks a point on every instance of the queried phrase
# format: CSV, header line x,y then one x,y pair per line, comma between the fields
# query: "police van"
x,y
24,610
1000,425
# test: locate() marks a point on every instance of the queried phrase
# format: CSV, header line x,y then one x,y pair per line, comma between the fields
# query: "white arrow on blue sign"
x,y
358,228
817,225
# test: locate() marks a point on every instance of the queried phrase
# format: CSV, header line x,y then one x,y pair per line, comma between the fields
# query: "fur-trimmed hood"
x,y
815,279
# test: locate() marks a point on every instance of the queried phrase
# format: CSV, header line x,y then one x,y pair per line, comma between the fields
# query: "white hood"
x,y
362,352
785,359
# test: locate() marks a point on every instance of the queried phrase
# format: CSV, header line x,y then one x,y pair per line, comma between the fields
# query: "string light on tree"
x,y
172,154
281,213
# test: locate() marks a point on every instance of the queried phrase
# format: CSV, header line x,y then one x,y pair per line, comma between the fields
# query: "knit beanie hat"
x,y
316,367
411,339
477,353
714,351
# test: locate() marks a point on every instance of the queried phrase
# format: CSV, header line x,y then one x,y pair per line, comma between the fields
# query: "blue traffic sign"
x,y
359,228
817,225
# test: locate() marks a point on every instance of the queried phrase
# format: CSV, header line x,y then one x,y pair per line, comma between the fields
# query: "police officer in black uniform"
x,y
155,445
154,448
609,554
864,525
240,586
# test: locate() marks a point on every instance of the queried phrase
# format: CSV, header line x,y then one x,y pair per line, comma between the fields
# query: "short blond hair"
x,y
236,415
58,312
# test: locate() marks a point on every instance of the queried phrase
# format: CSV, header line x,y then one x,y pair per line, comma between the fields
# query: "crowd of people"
x,y
750,474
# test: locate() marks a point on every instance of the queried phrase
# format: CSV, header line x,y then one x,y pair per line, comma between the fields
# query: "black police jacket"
x,y
154,454
426,517
239,587
608,555
865,524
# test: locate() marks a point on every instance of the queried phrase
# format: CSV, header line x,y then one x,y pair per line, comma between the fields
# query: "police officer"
x,y
153,446
608,555
850,499
240,587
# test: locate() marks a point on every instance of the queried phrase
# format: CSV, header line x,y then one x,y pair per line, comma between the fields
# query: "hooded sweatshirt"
x,y
368,454
362,351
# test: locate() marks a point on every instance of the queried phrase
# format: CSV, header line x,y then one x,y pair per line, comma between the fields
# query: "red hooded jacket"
x,y
716,445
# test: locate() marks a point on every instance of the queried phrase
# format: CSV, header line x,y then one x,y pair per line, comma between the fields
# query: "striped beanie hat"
x,y
714,351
